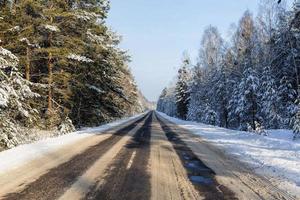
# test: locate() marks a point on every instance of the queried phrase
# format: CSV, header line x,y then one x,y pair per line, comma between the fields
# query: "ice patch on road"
x,y
14,158
275,155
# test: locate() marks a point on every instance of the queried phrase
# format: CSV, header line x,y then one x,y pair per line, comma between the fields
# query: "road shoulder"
x,y
18,178
230,172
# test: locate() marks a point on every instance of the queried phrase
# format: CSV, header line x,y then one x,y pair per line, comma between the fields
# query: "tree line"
x,y
249,82
60,65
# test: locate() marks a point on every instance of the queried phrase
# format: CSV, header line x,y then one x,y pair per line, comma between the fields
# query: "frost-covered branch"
x,y
98,90
79,58
51,28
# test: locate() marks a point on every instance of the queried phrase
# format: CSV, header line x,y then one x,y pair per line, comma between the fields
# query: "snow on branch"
x,y
87,16
4,96
98,90
51,28
94,38
79,58
7,59
25,40
16,28
113,36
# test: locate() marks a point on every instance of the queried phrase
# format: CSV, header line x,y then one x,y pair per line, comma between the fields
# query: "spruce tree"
x,y
249,101
197,95
270,101
296,122
182,89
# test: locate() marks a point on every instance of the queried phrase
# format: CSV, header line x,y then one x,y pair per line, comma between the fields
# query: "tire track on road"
x,y
169,178
54,183
230,173
128,177
201,176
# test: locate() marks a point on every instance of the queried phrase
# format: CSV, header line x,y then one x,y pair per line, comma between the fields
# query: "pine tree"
x,y
195,108
222,96
182,89
197,95
15,100
210,116
296,121
295,46
270,100
234,108
67,45
248,101
244,101
160,105
286,66
167,102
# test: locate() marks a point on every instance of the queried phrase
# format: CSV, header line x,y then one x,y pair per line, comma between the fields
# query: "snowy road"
x,y
145,158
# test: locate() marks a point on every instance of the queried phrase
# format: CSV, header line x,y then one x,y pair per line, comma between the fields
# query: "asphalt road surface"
x,y
146,158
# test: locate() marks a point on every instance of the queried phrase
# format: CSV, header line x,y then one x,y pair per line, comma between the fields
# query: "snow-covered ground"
x,y
275,155
17,156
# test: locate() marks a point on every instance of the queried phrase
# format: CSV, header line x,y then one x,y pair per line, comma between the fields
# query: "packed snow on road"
x,y
275,155
17,156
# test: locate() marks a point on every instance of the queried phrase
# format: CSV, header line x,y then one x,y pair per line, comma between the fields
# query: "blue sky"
x,y
157,32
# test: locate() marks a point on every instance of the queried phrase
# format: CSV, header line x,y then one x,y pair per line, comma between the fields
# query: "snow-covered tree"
x,y
167,101
206,76
222,91
244,105
197,95
15,96
68,46
182,88
286,66
296,121
270,101
210,116
252,81
248,104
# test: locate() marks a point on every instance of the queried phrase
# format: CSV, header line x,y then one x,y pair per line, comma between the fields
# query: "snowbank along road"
x,y
145,158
